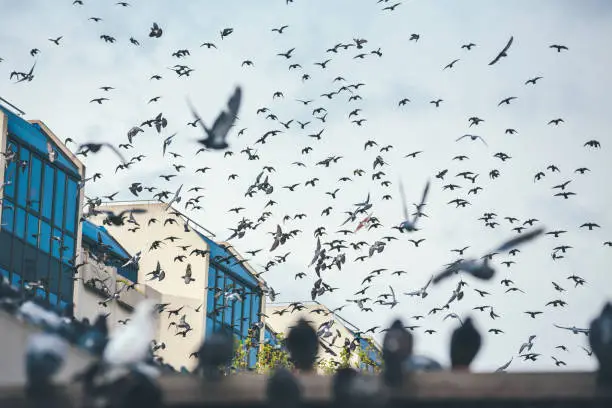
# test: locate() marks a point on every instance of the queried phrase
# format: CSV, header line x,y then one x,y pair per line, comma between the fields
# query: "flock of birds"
x,y
333,245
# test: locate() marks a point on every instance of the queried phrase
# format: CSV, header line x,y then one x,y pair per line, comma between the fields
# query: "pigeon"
x,y
216,136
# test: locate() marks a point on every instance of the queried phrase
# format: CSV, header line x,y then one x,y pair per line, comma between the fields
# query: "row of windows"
x,y
21,261
41,189
38,223
16,281
238,316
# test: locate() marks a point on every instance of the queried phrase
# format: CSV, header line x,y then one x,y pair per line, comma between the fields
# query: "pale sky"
x,y
575,86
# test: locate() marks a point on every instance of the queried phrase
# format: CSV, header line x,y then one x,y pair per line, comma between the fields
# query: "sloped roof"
x,y
90,233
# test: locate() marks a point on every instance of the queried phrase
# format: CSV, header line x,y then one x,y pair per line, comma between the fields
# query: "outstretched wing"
x,y
403,197
226,119
520,240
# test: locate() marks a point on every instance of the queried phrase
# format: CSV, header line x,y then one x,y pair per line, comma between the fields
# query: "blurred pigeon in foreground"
x,y
465,344
45,356
216,350
600,340
215,136
283,390
397,347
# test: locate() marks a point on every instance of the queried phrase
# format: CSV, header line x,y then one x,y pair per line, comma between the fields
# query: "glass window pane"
x,y
52,299
45,236
66,285
60,190
246,305
35,181
55,242
32,230
8,215
47,198
54,275
22,176
68,249
71,204
238,312
4,272
20,220
9,174
16,280
255,307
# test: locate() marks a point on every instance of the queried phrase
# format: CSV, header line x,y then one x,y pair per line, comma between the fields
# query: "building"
x,y
40,203
203,285
283,316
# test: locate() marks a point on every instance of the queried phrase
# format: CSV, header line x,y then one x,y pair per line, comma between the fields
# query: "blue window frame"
x,y
71,204
247,313
47,197
22,177
8,216
35,184
32,230
237,313
20,220
60,194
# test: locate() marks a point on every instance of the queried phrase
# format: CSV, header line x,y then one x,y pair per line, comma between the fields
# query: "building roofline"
x,y
208,233
18,111
350,326
60,144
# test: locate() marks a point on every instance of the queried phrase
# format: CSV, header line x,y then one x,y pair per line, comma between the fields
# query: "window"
x,y
237,311
44,237
60,195
22,176
247,313
8,213
71,204
56,243
20,220
9,173
54,277
66,284
47,197
32,230
35,183
68,249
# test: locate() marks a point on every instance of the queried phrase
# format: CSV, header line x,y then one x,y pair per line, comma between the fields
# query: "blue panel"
x,y
68,248
9,175
8,216
32,230
35,182
60,192
22,177
34,136
71,204
44,237
52,299
20,220
5,273
47,198
55,243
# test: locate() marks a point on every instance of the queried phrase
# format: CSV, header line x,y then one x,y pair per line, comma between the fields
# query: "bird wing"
x,y
520,240
226,119
403,197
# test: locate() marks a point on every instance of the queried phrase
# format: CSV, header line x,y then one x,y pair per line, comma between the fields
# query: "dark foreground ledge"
x,y
447,389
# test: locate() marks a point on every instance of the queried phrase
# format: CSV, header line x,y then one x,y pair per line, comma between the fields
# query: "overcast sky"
x,y
575,86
